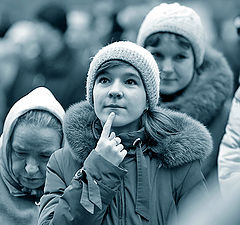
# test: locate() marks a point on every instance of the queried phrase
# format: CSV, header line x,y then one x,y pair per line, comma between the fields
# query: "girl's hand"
x,y
108,145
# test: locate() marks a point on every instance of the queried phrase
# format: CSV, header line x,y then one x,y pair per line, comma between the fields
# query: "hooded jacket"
x,y
229,153
208,100
150,186
17,206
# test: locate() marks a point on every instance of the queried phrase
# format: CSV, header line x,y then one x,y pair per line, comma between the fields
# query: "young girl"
x,y
195,79
32,132
126,160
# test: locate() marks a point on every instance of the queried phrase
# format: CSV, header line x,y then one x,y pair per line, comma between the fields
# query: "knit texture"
x,y
137,56
178,19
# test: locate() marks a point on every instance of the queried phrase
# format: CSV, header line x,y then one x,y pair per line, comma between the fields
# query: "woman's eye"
x,y
45,156
131,82
179,57
20,154
157,55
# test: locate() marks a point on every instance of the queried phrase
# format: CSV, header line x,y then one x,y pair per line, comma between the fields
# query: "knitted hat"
x,y
177,19
137,56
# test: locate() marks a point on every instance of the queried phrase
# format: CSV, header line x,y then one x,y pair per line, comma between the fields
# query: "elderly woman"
x,y
32,132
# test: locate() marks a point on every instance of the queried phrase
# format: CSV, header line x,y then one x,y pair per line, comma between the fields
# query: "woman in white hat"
x,y
195,79
32,132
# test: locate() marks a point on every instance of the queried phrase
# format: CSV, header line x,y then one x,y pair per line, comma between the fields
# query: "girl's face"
x,y
120,89
175,61
31,149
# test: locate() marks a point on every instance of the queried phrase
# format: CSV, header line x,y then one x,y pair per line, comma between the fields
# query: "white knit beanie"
x,y
178,19
135,55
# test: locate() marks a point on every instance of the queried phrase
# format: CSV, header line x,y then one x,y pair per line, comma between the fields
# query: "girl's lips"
x,y
113,106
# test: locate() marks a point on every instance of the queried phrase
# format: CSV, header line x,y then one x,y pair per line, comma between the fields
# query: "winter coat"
x,y
17,205
150,186
208,100
229,153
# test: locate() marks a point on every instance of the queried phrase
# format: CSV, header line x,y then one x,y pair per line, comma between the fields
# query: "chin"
x,y
32,184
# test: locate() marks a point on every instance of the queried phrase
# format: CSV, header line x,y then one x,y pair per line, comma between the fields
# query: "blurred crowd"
x,y
54,47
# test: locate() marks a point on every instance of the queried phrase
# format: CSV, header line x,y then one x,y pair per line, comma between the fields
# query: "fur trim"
x,y
205,96
192,142
77,126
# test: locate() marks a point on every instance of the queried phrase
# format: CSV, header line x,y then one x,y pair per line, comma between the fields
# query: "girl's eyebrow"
x,y
133,75
104,72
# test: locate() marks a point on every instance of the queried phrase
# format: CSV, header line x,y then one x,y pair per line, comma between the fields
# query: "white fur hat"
x,y
178,19
135,55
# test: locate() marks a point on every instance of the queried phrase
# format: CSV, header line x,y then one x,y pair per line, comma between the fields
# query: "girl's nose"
x,y
115,90
31,166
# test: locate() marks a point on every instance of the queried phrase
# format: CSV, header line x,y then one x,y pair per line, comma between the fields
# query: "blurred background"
x,y
50,43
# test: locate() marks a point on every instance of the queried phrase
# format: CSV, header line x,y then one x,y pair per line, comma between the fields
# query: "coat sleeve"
x,y
229,153
62,204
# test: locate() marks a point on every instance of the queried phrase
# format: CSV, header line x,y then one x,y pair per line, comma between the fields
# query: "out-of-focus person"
x,y
9,62
32,132
51,61
229,153
229,43
61,67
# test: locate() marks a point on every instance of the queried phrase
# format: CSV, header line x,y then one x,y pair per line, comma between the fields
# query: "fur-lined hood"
x,y
192,142
205,96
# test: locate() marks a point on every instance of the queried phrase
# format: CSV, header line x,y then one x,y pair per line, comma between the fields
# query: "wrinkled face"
x,y
175,62
31,149
120,89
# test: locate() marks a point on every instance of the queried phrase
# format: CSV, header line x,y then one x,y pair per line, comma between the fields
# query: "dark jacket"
x,y
208,100
150,186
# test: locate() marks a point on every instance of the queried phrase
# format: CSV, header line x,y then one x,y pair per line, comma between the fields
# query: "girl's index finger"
x,y
107,126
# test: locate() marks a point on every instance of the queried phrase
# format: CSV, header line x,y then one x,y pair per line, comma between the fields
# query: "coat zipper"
x,y
122,204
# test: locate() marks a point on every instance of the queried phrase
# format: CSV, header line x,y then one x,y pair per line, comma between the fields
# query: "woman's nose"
x,y
167,66
31,166
115,90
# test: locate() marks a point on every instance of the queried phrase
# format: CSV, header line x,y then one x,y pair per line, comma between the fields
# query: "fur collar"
x,y
192,142
208,91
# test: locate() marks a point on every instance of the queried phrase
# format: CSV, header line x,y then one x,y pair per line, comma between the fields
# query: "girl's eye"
x,y
103,80
131,82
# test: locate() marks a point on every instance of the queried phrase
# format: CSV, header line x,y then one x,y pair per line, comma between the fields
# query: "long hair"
x,y
158,124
